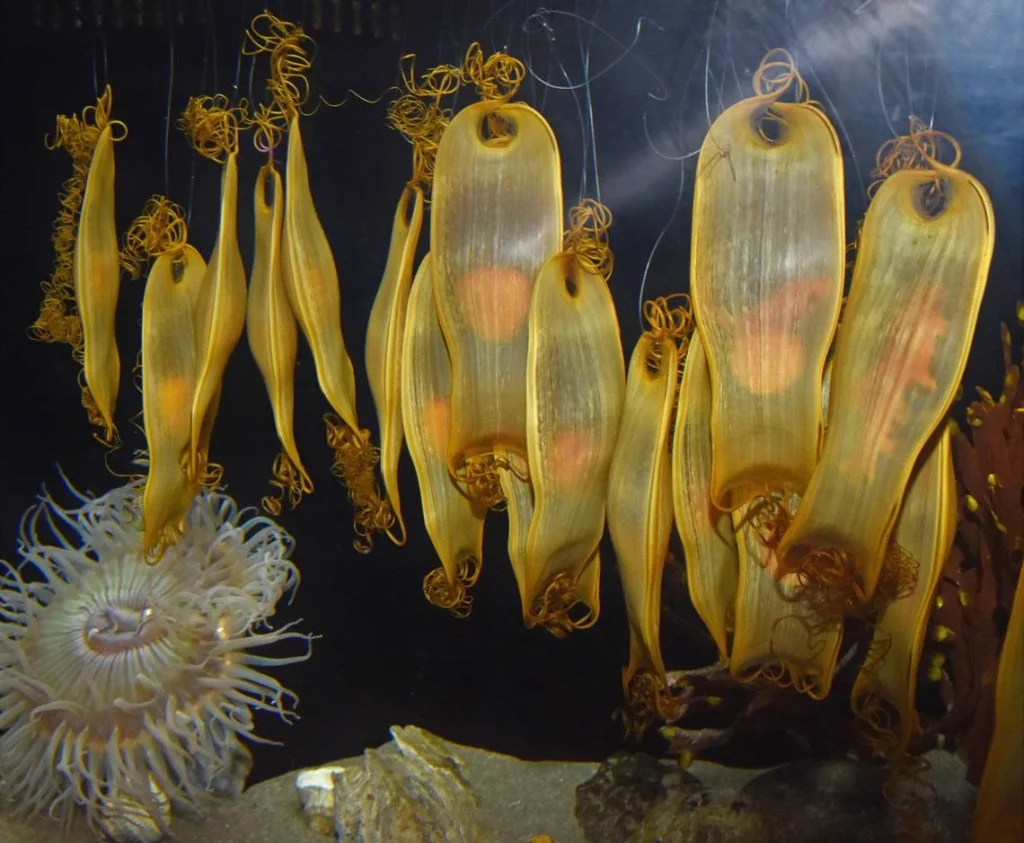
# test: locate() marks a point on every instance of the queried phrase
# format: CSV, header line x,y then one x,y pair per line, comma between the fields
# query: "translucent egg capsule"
x,y
518,495
168,383
273,336
311,280
767,268
496,219
80,297
922,264
778,636
220,320
640,497
384,336
587,588
575,385
783,631
706,532
924,535
454,523
97,274
571,602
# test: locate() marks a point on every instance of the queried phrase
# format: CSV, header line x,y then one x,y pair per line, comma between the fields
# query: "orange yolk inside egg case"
x,y
437,422
495,301
175,393
767,360
772,376
571,452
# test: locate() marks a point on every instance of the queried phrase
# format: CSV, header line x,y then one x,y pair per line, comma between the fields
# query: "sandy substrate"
x,y
522,799
519,799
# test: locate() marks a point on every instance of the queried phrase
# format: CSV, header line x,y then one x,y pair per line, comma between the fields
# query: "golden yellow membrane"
x,y
80,298
640,498
887,682
220,320
168,383
454,523
273,337
311,280
777,636
921,270
570,602
384,341
160,232
497,217
712,568
98,280
767,275
997,813
575,385
587,588
310,275
517,495
212,126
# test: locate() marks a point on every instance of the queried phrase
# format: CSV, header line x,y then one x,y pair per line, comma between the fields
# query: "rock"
x,y
520,800
316,796
629,799
409,791
127,820
612,805
638,801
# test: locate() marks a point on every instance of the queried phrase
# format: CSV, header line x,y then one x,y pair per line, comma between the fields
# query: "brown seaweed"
x,y
980,576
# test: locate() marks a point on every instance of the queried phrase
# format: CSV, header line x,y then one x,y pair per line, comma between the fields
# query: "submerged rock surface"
x,y
630,798
411,790
518,800
637,799
612,805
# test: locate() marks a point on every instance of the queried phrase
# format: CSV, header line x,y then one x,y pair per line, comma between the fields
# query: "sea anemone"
x,y
125,686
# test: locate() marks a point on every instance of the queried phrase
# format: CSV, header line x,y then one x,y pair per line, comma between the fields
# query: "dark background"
x,y
657,70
